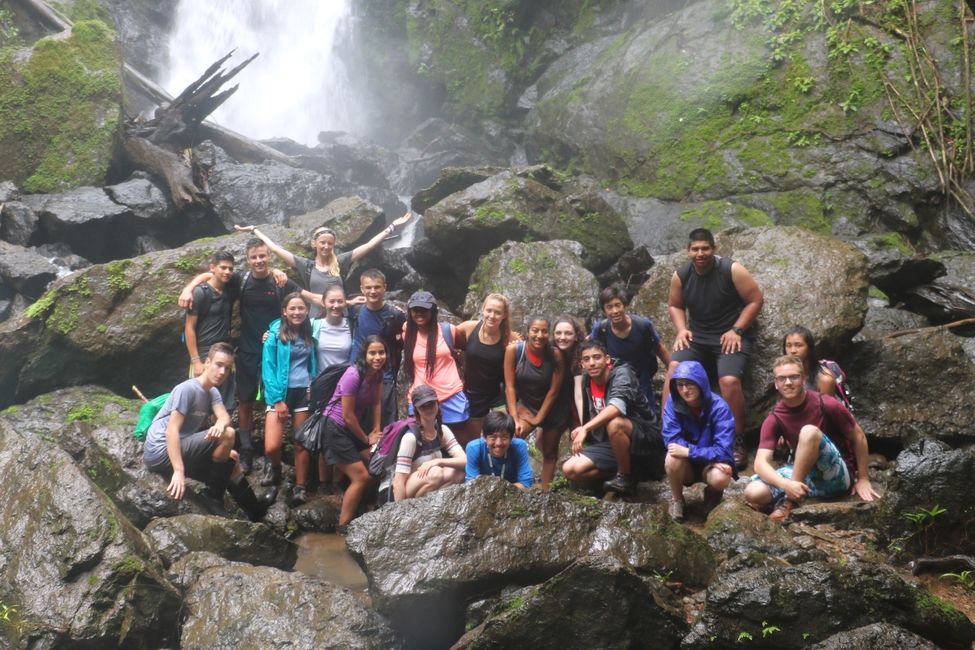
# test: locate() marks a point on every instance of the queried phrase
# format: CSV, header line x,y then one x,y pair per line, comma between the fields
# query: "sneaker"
x,y
621,484
783,509
676,510
740,454
246,460
299,495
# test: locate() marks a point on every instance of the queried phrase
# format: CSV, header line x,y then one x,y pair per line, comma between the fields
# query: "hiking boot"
x,y
783,509
299,495
272,474
342,529
621,484
676,510
216,486
255,507
712,498
739,453
246,460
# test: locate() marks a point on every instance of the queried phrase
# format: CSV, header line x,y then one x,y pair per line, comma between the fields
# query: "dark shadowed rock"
x,y
597,602
353,219
18,223
86,218
438,553
941,378
241,606
630,271
318,515
434,146
929,473
942,302
539,278
876,635
807,279
814,600
239,541
78,573
141,196
893,273
451,180
25,271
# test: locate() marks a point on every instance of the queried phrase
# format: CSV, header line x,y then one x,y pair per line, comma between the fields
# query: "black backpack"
x,y
202,309
323,387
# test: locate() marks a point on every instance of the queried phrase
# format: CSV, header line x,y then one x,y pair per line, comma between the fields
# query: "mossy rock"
x,y
60,108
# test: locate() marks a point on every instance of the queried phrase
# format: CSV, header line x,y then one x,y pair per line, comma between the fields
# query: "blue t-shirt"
x,y
369,323
638,350
515,467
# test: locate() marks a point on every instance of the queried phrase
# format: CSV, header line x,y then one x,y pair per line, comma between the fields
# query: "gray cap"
x,y
423,394
422,299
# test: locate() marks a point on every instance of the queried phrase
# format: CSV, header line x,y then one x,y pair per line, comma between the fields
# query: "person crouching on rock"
x,y
830,447
431,458
699,432
498,453
176,448
346,444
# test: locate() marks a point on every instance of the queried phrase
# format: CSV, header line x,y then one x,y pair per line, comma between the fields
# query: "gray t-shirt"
x,y
334,344
193,402
317,281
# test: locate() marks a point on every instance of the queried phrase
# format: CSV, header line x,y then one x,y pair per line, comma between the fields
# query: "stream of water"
x,y
297,87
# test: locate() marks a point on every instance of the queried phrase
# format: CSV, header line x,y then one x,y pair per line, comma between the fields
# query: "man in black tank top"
x,y
713,303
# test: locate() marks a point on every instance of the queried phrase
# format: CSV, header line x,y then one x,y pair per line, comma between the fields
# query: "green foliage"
x,y
768,629
82,413
9,32
744,636
118,280
924,521
966,578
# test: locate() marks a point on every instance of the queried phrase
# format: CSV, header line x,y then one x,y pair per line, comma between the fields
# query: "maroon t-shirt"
x,y
832,418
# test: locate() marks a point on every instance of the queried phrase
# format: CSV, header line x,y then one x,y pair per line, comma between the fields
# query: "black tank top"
x,y
483,367
711,300
533,382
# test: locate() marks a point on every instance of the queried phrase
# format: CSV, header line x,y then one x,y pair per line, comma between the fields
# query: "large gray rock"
x,y
734,529
78,573
451,180
940,375
807,279
595,603
235,540
882,320
930,476
353,219
24,270
814,600
18,223
875,635
539,278
437,552
517,204
240,606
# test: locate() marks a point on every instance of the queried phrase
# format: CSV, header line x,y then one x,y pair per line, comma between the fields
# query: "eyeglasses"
x,y
787,379
683,384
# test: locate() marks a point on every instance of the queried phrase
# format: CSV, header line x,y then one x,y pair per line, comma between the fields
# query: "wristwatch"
x,y
738,331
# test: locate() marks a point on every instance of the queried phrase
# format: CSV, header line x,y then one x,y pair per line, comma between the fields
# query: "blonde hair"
x,y
333,262
505,326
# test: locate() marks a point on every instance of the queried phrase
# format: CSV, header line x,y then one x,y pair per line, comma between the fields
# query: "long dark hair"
x,y
812,359
572,364
409,343
288,333
548,350
360,361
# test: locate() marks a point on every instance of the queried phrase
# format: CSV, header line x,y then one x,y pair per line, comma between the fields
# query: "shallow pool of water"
x,y
326,556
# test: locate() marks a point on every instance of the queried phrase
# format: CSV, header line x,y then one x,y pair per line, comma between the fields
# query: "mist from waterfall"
x,y
297,87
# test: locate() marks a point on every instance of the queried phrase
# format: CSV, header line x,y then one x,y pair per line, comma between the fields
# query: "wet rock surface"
x,y
876,635
235,540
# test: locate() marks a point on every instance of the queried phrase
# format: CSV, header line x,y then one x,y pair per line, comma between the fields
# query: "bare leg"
x,y
550,454
733,393
807,452
302,457
359,477
619,430
273,435
680,472
665,392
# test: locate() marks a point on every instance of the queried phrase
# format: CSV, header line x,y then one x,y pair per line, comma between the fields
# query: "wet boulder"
x,y
771,605
24,270
353,219
882,320
538,278
930,503
941,377
450,181
597,602
734,529
233,539
18,222
519,204
78,573
875,635
438,553
807,279
236,605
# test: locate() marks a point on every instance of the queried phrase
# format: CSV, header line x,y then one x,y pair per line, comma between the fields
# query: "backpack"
x,y
323,387
147,414
384,455
643,327
842,387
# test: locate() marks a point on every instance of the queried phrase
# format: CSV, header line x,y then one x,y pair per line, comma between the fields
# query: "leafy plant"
x,y
769,630
966,578
924,520
744,636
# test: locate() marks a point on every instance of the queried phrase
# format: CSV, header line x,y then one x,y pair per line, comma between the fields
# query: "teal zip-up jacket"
x,y
276,364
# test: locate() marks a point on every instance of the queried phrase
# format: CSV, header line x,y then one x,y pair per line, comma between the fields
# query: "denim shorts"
x,y
829,477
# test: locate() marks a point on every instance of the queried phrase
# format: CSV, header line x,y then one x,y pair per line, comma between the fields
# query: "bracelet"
x,y
390,229
196,358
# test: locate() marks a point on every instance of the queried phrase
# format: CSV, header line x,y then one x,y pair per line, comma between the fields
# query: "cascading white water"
x,y
296,88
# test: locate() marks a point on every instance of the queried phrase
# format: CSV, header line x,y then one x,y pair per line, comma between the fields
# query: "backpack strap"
x,y
203,308
448,336
519,352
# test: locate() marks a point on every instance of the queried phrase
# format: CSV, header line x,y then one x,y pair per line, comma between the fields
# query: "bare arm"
x,y
351,421
826,382
510,394
763,467
675,307
463,333
399,486
750,294
177,485
862,487
360,251
185,299
286,256
663,354
578,435
553,389
189,333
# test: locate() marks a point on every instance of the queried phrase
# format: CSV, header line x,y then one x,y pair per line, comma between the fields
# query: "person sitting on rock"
x,y
177,448
829,447
498,453
430,458
613,409
698,430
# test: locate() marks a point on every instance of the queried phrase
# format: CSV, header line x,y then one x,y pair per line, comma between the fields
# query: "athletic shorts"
x,y
454,409
829,477
248,368
557,417
481,405
296,399
197,452
701,469
647,432
711,357
341,446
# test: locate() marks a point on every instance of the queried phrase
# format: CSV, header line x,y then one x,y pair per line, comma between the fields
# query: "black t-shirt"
x,y
260,303
213,325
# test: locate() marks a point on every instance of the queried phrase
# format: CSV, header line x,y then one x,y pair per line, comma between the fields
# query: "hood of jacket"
x,y
694,371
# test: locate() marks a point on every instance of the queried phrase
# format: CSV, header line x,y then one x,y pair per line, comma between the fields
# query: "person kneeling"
x,y
699,432
830,447
421,463
498,453
176,448
613,409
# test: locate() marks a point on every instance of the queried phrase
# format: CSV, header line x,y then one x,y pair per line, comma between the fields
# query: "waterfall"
x,y
297,87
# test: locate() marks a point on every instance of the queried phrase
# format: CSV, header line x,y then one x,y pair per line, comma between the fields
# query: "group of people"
x,y
472,418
